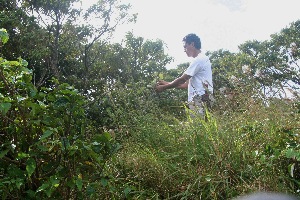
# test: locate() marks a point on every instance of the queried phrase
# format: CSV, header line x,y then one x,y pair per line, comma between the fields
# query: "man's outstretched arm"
x,y
180,82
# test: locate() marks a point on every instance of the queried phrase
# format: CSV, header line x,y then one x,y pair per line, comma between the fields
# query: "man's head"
x,y
191,45
192,38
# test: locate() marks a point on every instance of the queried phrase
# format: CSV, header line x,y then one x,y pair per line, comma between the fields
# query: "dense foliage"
x,y
48,147
80,118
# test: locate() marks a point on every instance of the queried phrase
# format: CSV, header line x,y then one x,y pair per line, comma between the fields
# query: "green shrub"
x,y
48,149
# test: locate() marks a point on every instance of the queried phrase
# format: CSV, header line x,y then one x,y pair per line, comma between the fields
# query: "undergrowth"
x,y
227,155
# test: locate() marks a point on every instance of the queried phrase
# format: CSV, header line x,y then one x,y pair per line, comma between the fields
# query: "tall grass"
x,y
227,155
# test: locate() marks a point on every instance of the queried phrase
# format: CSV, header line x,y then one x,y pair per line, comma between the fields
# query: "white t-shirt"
x,y
201,73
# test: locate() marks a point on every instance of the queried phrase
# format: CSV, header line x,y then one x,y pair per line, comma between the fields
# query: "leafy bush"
x,y
49,149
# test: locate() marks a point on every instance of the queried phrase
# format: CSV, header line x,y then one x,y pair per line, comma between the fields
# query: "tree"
x,y
287,43
222,67
63,30
27,38
276,65
144,58
268,67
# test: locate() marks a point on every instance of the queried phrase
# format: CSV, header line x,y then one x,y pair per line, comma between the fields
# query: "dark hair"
x,y
192,38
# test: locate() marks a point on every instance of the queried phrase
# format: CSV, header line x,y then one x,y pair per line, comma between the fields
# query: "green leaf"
x,y
3,153
30,166
43,187
46,187
23,62
46,134
31,194
3,35
90,190
79,183
161,76
290,153
65,143
33,92
4,107
104,182
49,192
127,190
14,63
42,148
22,155
19,183
54,181
208,178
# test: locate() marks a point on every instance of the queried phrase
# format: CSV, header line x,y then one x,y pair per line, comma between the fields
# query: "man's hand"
x,y
162,82
179,82
160,88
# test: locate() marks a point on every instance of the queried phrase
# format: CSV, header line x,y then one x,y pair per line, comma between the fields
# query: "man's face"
x,y
188,48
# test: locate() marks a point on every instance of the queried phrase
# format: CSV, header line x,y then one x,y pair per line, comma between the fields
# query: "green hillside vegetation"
x,y
79,118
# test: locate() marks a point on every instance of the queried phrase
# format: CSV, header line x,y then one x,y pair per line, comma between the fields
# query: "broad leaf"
x,y
3,35
30,166
4,107
3,153
79,184
46,134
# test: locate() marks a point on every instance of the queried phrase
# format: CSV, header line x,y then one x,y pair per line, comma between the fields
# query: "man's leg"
x,y
197,107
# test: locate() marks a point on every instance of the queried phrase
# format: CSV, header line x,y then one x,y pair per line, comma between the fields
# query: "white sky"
x,y
221,24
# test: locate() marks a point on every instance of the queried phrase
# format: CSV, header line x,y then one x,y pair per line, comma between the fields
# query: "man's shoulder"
x,y
201,59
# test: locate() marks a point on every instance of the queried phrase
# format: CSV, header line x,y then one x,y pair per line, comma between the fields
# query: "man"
x,y
197,77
